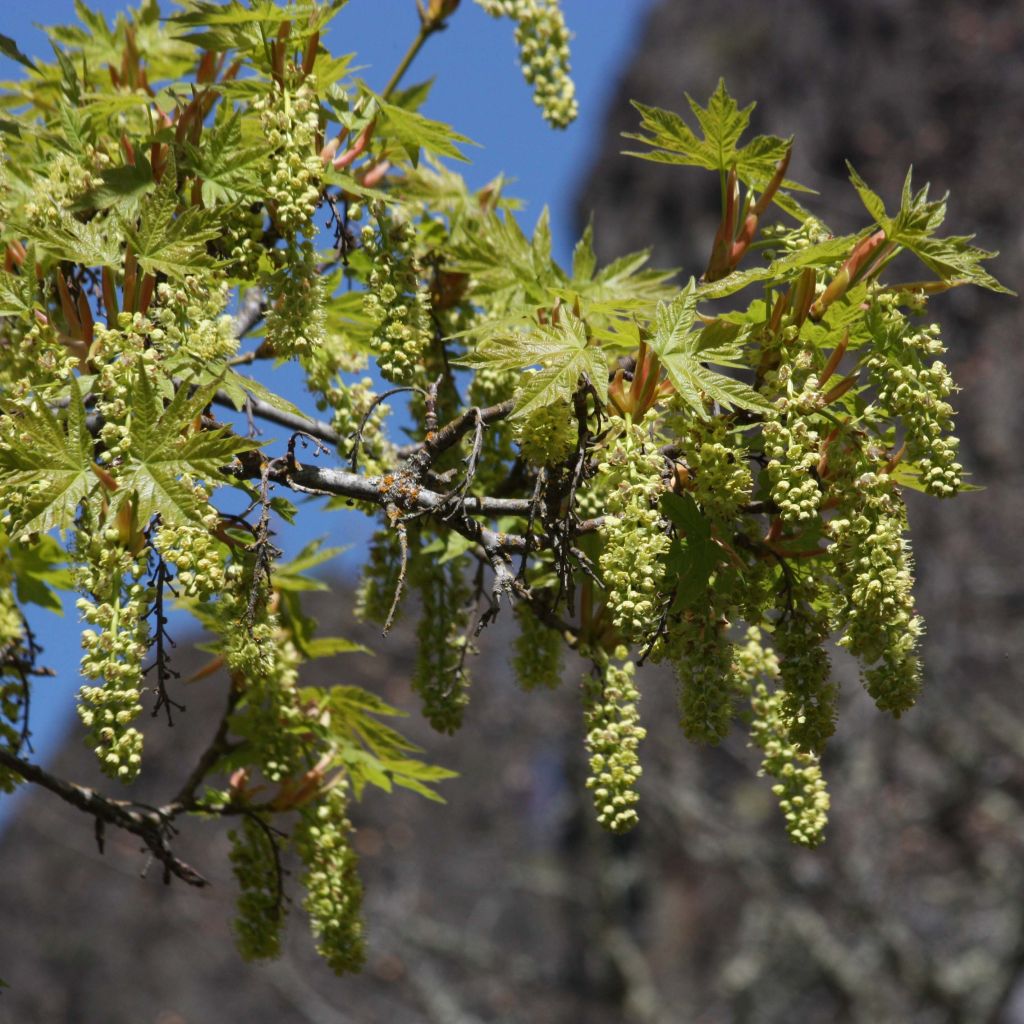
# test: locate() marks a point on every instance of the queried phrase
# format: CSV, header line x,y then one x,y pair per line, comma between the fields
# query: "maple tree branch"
x,y
152,825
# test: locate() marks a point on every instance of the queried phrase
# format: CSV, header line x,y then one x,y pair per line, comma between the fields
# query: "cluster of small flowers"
x,y
721,479
808,697
296,323
543,41
334,892
548,434
260,907
635,536
349,402
916,393
537,654
702,654
780,239
268,661
115,601
68,179
189,317
874,569
792,450
122,349
196,553
290,117
613,735
440,676
799,786
379,579
242,242
397,298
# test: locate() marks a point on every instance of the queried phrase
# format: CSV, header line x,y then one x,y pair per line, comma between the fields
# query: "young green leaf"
x,y
684,352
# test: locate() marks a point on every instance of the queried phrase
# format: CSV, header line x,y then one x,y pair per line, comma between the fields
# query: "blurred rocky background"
x,y
508,905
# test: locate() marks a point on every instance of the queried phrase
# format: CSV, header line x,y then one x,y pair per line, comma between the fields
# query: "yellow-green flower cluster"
x,y
792,451
114,603
397,298
260,909
376,590
799,785
440,676
334,892
537,655
196,553
295,322
290,118
242,243
873,566
721,479
635,535
543,41
189,317
808,696
916,392
547,435
702,654
613,736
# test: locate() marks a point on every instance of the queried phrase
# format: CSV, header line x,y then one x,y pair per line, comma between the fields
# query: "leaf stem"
x,y
428,26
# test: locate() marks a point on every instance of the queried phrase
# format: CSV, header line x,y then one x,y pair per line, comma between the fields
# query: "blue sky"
x,y
480,90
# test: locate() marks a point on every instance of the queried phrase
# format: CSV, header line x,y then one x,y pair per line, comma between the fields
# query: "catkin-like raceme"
x,y
635,534
543,41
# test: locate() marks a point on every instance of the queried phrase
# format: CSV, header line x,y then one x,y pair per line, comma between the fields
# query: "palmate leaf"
x,y
95,244
413,131
225,164
166,242
563,351
372,751
510,269
692,556
952,259
121,187
722,123
684,351
163,447
45,462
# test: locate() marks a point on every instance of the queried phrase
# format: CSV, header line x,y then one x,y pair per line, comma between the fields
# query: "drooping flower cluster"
x,y
702,654
808,695
334,892
189,319
114,604
259,908
721,481
397,298
635,535
440,676
192,548
547,435
799,785
613,736
543,41
791,448
295,298
290,118
537,656
874,568
916,392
